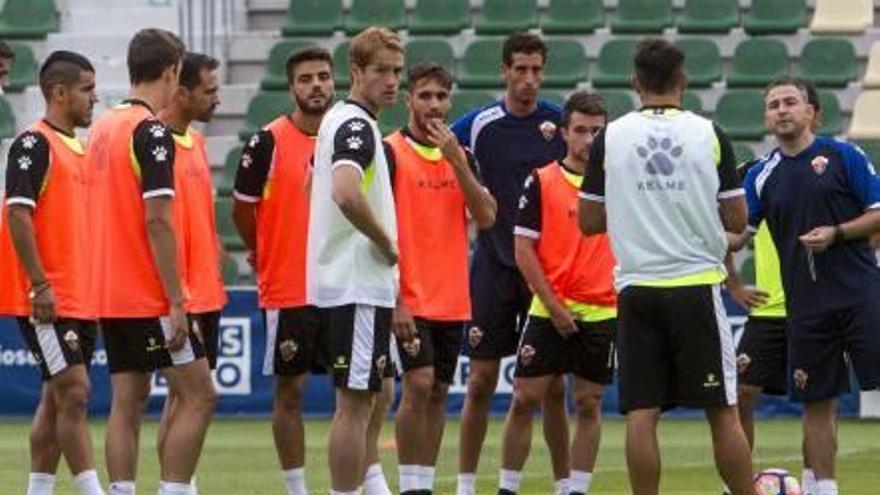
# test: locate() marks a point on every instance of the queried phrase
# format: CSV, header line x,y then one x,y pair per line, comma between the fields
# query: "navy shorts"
x,y
762,355
500,298
822,346
588,354
438,344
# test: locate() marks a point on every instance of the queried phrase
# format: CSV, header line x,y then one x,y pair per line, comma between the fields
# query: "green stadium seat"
x,y
230,272
312,18
366,13
433,50
465,100
642,16
480,67
708,16
573,17
757,62
702,61
566,64
871,148
691,101
262,109
230,167
275,78
618,102
393,117
29,19
743,152
24,68
506,16
440,17
341,62
828,62
747,269
615,64
225,225
832,120
775,16
557,97
741,114
7,119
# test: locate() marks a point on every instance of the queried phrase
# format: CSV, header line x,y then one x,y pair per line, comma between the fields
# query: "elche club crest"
x,y
548,129
819,164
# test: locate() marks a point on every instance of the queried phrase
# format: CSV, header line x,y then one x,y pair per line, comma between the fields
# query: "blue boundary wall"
x,y
245,391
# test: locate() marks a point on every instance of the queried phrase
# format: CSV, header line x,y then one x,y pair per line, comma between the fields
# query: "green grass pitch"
x,y
239,458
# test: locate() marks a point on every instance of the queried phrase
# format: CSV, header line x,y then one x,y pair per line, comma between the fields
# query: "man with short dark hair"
x,y
137,284
666,179
571,323
44,263
199,250
7,58
436,188
820,199
509,138
271,213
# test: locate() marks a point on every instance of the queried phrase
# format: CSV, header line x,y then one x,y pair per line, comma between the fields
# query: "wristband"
x,y
38,288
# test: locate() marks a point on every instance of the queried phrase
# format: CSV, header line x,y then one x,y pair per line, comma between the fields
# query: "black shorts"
x,y
209,327
588,354
500,298
821,346
675,348
291,340
438,344
354,343
762,355
60,345
138,344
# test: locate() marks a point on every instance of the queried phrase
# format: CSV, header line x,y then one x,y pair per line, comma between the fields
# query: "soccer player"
x,y
666,179
352,248
199,250
819,198
43,268
271,212
571,321
509,138
435,188
762,353
136,282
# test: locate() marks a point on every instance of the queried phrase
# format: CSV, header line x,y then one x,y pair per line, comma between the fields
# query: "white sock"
x,y
580,482
295,479
466,484
562,486
122,488
172,488
41,484
808,482
826,487
374,481
336,492
426,477
87,483
409,477
509,480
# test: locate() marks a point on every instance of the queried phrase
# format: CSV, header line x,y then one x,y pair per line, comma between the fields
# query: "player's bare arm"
x,y
480,204
352,203
821,238
160,232
591,217
744,295
244,216
21,228
734,214
528,264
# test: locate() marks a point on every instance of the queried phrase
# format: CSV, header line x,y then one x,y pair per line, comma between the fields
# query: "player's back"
x,y
125,281
662,189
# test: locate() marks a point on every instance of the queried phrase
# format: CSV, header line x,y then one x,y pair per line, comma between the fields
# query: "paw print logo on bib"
x,y
660,154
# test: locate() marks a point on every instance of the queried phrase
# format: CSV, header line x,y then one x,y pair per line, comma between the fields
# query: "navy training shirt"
x,y
828,183
507,149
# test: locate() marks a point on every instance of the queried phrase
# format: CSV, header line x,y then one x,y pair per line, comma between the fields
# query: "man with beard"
x,y
509,138
271,212
435,189
820,199
199,252
43,268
